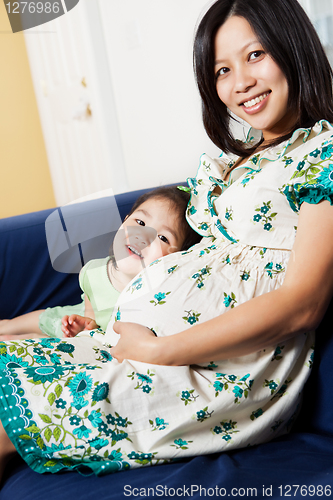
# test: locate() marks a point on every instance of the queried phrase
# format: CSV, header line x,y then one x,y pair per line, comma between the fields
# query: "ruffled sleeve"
x,y
312,180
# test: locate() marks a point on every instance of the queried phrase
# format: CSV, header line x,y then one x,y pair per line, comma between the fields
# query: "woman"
x,y
248,295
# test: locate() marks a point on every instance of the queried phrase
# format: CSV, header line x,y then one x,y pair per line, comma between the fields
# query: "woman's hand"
x,y
136,342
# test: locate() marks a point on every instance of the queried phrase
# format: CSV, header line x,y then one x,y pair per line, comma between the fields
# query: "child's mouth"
x,y
135,251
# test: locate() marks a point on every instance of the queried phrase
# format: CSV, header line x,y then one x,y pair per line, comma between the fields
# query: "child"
x,y
156,226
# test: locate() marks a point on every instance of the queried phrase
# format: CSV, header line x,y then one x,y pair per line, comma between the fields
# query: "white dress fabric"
x,y
77,407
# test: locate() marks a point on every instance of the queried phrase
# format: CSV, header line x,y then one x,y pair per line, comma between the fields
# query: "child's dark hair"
x,y
287,34
179,200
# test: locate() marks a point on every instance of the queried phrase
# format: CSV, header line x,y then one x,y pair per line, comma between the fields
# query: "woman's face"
x,y
248,80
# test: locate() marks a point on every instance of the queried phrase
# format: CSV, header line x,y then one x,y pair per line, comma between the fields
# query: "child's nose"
x,y
146,235
142,236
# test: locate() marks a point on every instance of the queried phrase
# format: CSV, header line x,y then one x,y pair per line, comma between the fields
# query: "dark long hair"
x,y
286,33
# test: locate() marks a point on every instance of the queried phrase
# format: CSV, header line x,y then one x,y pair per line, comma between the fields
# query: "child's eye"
x,y
163,238
256,55
140,222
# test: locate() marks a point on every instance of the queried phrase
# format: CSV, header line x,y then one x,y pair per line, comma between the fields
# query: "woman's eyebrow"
x,y
246,46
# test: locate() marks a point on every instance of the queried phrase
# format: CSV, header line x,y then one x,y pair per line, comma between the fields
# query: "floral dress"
x,y
66,404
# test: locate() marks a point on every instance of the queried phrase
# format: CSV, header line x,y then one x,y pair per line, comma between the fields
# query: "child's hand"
x,y
74,324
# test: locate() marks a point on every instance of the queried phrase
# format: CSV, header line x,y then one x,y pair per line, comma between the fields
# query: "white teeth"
x,y
135,251
248,104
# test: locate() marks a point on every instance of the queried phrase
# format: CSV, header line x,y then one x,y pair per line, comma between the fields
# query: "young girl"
x,y
234,315
156,226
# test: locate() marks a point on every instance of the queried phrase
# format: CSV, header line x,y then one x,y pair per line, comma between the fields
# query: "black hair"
x,y
179,200
287,34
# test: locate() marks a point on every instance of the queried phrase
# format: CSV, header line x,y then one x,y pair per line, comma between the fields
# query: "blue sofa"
x,y
297,465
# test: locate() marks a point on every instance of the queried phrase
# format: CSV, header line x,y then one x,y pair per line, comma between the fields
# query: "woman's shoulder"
x,y
310,167
308,138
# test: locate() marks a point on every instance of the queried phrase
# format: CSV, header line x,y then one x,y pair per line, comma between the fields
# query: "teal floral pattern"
x,y
239,386
203,226
272,385
201,275
229,300
159,424
226,429
187,396
278,353
256,414
135,285
265,215
251,173
282,391
181,444
245,275
207,251
172,269
204,414
228,213
144,381
191,317
159,298
273,270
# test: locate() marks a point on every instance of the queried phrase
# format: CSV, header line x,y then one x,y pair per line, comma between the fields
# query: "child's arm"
x,y
88,308
74,324
27,323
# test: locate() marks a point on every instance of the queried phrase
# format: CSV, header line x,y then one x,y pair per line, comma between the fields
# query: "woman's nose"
x,y
244,79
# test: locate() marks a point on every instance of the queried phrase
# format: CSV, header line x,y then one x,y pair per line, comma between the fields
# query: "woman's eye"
x,y
163,238
140,222
256,54
222,72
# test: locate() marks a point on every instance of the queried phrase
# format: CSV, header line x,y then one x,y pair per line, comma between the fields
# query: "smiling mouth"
x,y
135,251
256,100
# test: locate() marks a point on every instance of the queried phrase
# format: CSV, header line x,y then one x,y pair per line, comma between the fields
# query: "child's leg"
x,y
22,325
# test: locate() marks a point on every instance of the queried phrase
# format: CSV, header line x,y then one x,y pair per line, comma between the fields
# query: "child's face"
x,y
149,233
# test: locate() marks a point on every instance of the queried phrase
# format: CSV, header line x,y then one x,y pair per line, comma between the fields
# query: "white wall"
x,y
321,14
149,48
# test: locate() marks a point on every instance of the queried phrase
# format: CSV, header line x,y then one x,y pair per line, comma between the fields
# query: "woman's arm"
x,y
296,307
